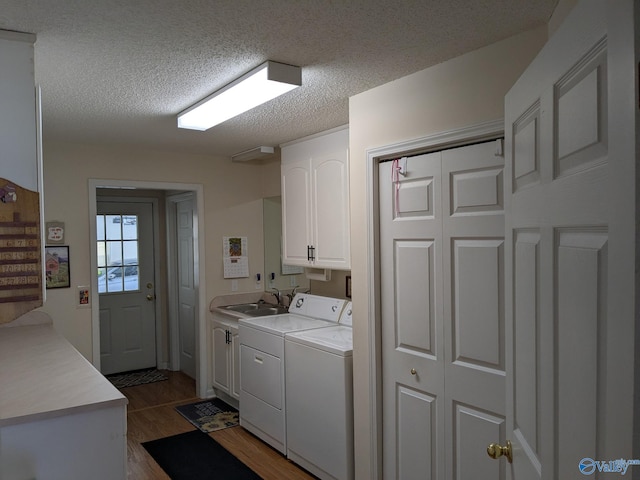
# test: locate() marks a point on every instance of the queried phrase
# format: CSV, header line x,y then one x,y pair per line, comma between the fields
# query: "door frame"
x,y
201,337
452,138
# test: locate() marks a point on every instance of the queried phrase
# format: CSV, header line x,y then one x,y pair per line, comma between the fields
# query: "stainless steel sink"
x,y
243,307
264,311
257,309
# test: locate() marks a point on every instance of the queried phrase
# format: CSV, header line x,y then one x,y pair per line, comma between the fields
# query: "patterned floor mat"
x,y
139,377
209,415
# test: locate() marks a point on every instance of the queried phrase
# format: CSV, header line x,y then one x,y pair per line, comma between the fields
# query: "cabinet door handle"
x,y
226,336
311,257
308,253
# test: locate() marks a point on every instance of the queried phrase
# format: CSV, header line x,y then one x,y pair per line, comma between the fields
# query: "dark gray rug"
x,y
138,377
196,456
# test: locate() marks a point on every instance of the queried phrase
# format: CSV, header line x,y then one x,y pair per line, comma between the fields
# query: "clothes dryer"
x,y
319,396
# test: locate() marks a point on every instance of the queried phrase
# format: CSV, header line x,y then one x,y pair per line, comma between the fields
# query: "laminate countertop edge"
x,y
43,376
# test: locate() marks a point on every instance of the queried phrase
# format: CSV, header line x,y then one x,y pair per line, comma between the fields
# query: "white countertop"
x,y
43,376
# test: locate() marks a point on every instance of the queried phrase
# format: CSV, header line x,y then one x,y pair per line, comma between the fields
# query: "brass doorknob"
x,y
496,451
149,297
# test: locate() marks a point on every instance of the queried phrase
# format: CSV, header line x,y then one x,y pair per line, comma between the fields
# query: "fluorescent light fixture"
x,y
253,154
263,83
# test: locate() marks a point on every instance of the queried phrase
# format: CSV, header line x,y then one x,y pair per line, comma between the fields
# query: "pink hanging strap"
x,y
396,171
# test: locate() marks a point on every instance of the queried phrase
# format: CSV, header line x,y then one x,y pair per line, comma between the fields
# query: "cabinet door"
x,y
221,378
330,203
234,364
18,137
296,211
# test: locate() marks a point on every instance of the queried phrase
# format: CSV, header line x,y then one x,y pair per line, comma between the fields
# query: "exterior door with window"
x,y
126,286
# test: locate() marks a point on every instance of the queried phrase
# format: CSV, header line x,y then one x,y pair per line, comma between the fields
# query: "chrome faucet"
x,y
294,291
276,293
292,294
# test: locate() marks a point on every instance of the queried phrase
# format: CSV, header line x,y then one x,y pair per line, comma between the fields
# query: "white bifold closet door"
x,y
443,345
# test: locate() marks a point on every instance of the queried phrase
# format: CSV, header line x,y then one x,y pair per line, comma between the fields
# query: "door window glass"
x,y
118,265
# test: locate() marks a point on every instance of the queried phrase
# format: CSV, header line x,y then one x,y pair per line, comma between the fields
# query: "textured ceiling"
x,y
119,71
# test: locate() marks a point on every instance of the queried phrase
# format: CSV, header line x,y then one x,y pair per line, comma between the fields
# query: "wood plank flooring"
x,y
151,415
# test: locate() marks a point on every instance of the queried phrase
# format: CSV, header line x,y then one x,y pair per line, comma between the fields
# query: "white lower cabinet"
x,y
60,419
226,357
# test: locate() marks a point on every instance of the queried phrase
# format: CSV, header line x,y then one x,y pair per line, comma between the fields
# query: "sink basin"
x,y
257,309
263,311
243,307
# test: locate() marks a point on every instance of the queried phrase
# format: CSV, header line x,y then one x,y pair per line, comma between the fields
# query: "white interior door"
x,y
569,249
126,286
473,288
442,259
187,291
412,321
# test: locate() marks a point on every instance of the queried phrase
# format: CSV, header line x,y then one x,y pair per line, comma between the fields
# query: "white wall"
x,y
233,195
461,92
559,14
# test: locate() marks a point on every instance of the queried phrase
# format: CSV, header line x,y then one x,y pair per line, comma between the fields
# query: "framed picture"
x,y
347,293
57,269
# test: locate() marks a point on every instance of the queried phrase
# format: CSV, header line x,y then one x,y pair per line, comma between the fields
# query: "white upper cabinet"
x,y
18,133
315,202
20,178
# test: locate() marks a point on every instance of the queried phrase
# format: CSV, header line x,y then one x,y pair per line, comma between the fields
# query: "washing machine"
x,y
319,396
262,363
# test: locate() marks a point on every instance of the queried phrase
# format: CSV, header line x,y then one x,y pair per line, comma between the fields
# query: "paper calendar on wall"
x,y
234,257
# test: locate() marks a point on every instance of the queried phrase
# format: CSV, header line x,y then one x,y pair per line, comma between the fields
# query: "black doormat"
x,y
209,415
137,377
196,456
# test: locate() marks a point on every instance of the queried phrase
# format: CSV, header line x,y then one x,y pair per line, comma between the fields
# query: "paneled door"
x,y
442,261
570,145
412,320
187,288
126,286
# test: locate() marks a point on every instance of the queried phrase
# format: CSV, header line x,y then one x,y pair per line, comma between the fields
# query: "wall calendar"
x,y
20,251
234,257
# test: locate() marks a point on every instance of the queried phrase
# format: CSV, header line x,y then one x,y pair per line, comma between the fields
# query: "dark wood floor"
x,y
151,415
